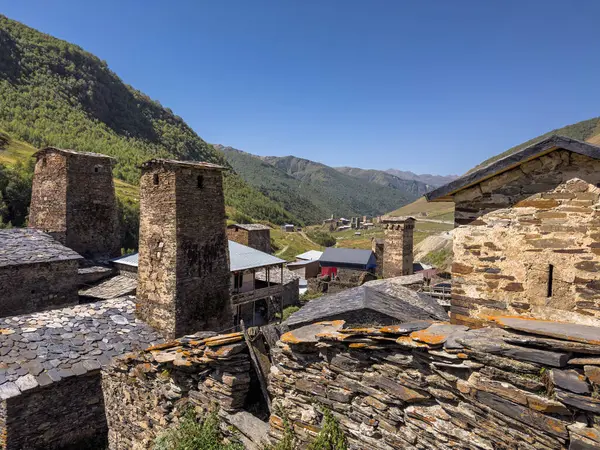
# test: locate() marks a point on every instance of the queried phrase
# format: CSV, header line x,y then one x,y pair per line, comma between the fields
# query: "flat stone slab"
x,y
553,344
585,361
407,327
560,330
570,380
579,401
308,334
437,334
117,286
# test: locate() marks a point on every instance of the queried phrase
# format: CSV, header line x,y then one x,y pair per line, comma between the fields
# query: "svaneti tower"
x,y
398,247
183,272
73,200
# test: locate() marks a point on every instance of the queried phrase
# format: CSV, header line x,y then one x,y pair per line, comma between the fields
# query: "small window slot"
x,y
200,181
550,279
155,179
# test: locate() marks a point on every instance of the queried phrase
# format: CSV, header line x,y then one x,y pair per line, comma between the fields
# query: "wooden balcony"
x,y
256,294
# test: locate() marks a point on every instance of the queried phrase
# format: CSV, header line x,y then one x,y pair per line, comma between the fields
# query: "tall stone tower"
x,y
73,200
183,271
378,246
398,250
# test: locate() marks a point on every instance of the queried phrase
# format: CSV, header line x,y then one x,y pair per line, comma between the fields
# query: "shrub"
x,y
192,434
331,436
322,238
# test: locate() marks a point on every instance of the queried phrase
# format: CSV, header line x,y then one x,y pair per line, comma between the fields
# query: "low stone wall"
x,y
65,415
345,279
146,392
440,386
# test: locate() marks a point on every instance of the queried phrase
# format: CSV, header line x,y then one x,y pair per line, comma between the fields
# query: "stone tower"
x,y
183,271
73,200
398,251
378,246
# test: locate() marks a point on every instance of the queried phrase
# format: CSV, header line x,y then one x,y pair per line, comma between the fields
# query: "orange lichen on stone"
x,y
163,346
357,345
308,334
225,340
407,341
361,331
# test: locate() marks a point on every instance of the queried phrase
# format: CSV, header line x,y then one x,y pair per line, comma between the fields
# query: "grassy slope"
x,y
291,244
55,93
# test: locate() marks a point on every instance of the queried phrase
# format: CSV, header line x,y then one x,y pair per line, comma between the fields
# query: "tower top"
x,y
44,151
174,164
396,219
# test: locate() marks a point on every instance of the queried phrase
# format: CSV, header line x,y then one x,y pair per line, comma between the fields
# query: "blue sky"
x,y
428,86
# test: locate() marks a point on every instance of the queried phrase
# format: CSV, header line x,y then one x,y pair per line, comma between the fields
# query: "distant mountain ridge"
x,y
313,191
432,180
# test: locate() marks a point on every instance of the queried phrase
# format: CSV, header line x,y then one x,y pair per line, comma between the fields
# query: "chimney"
x,y
398,251
73,200
183,271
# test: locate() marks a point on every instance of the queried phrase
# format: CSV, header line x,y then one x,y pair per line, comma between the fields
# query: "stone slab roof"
x,y
28,246
66,152
250,226
382,296
42,348
117,286
181,164
445,193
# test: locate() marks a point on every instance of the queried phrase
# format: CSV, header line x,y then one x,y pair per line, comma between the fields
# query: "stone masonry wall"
x,y
92,216
533,385
146,392
398,247
257,239
183,271
37,287
65,415
48,210
516,228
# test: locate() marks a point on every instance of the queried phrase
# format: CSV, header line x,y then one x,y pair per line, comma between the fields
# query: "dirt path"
x,y
447,222
303,234
281,252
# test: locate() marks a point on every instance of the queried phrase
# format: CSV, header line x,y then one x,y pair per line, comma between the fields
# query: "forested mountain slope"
x,y
383,178
55,93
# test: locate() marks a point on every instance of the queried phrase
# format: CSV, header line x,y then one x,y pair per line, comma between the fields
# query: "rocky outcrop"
x,y
440,386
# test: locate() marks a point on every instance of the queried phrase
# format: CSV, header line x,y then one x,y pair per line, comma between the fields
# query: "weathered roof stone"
x,y
66,152
28,246
250,226
175,164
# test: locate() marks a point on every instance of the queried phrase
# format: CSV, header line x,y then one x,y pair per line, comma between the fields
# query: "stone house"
x,y
73,199
36,272
253,235
398,246
527,240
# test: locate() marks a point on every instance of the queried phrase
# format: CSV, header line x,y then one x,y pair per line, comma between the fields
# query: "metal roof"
x,y
241,257
386,297
310,255
29,246
445,193
349,257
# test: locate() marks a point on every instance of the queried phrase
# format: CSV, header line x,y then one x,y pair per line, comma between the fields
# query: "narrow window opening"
x,y
96,169
200,181
155,179
550,276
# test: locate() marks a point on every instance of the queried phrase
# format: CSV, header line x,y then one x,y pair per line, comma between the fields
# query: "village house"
x,y
288,227
527,240
306,264
36,272
253,235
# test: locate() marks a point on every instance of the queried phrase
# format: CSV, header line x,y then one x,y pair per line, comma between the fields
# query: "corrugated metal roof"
x,y
241,257
310,255
346,256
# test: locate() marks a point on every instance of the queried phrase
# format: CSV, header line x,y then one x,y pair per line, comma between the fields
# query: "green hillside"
x,y
586,130
55,93
412,187
339,193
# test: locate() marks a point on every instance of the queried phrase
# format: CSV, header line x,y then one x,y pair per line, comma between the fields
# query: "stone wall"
x,y
398,247
438,386
183,272
378,248
345,279
65,415
259,239
37,287
146,392
73,199
528,242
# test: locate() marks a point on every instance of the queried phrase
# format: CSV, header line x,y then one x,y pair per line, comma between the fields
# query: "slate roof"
x,y
347,257
41,348
445,193
310,255
117,286
241,257
29,246
250,226
176,163
383,296
63,151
